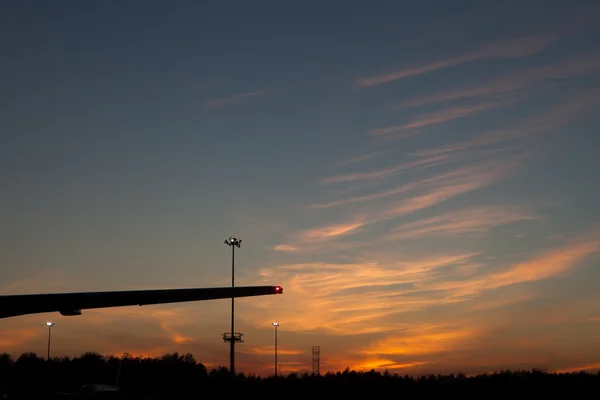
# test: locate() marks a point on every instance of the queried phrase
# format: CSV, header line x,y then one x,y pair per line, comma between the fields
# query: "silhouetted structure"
x,y
175,376
276,325
232,337
71,304
50,325
316,360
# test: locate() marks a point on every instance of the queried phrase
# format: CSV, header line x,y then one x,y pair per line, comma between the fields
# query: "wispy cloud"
x,y
350,298
15,337
364,157
381,363
445,115
472,220
422,340
236,98
544,121
515,48
488,175
330,231
512,82
269,350
430,191
587,19
286,248
547,264
478,172
551,263
354,298
383,173
49,281
586,367
419,163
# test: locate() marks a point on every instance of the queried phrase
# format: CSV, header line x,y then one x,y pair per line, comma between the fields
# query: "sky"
x,y
419,177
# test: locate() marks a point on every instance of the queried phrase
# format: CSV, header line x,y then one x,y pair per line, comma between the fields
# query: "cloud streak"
x,y
520,80
445,115
417,164
318,292
541,122
476,175
236,98
475,220
417,196
353,298
551,263
362,158
585,20
515,48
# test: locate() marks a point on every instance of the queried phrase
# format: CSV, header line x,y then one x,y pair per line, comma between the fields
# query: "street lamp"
x,y
49,325
276,325
233,242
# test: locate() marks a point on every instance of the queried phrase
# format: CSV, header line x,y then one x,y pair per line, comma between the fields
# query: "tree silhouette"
x,y
180,376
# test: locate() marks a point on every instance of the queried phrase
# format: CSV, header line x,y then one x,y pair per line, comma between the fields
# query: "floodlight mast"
x,y
50,325
276,325
233,242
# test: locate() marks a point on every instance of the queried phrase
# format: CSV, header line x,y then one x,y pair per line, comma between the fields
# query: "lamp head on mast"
x,y
233,241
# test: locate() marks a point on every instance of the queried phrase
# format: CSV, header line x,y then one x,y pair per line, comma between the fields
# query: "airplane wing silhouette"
x,y
73,303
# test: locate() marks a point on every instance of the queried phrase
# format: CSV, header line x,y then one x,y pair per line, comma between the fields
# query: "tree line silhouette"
x,y
180,376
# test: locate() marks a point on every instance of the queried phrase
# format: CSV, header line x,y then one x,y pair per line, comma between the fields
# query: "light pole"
x,y
233,242
49,325
276,325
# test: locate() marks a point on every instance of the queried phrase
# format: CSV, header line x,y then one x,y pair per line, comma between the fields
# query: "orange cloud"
x,y
436,189
500,303
11,338
587,367
51,281
270,350
355,298
456,182
329,231
423,341
472,220
379,364
549,264
352,298
286,248
319,237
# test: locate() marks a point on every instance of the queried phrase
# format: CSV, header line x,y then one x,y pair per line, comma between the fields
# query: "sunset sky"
x,y
420,177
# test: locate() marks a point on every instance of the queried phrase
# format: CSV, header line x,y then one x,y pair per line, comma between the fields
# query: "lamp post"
x,y
276,325
233,242
49,325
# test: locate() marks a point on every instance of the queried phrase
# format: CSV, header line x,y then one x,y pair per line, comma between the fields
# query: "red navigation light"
x,y
278,289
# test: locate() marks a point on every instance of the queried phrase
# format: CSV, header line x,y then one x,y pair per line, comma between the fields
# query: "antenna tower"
x,y
316,360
